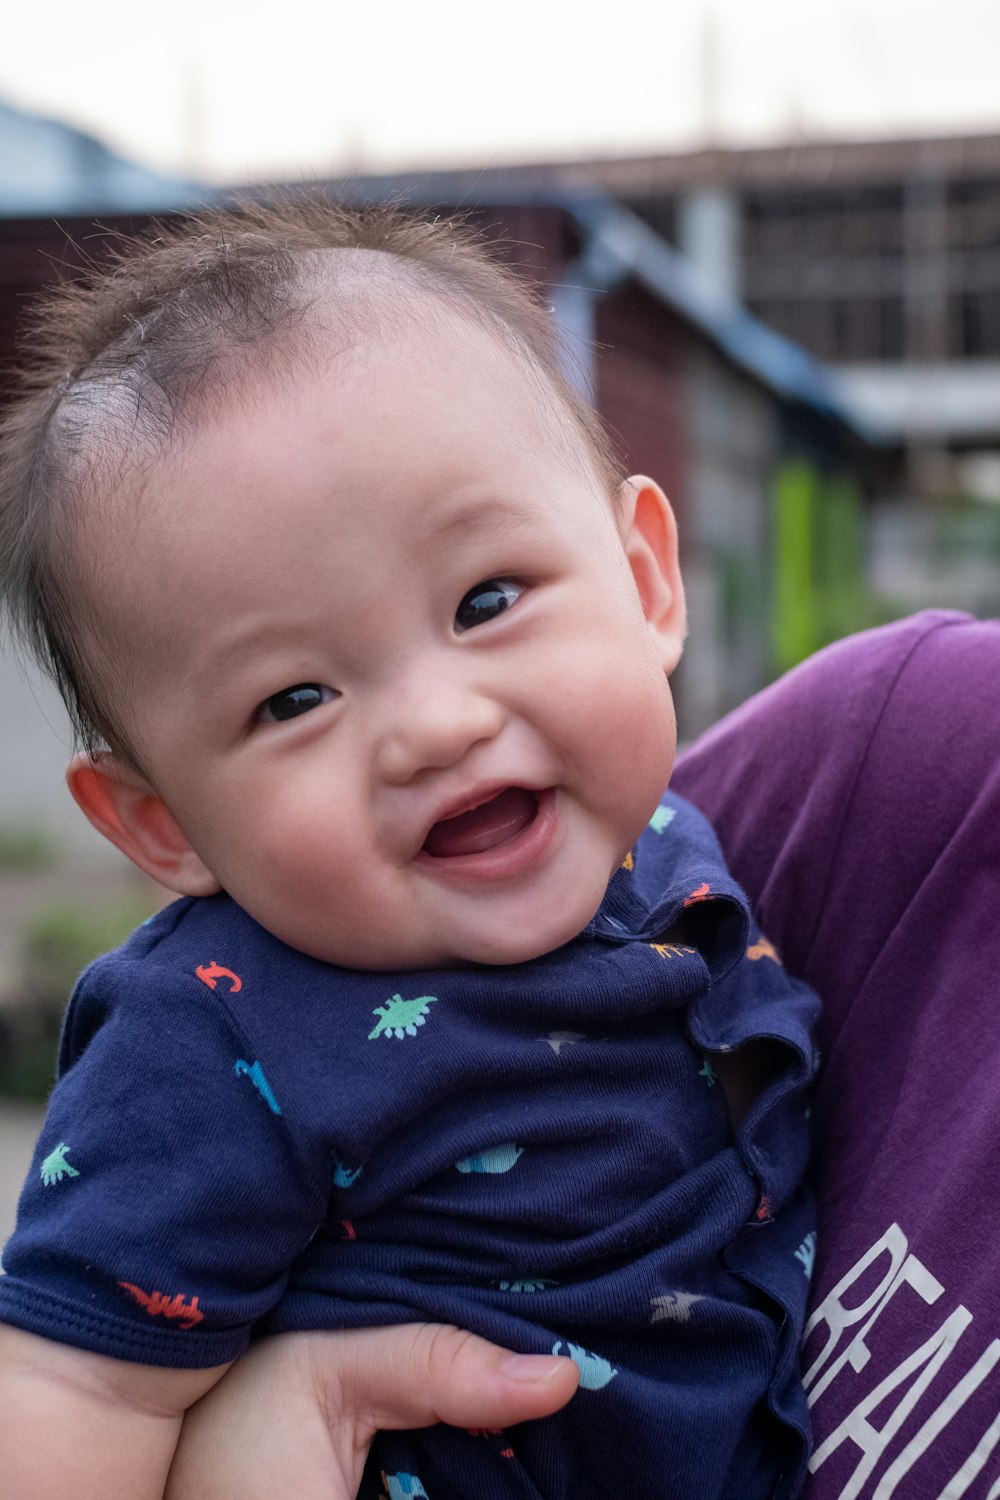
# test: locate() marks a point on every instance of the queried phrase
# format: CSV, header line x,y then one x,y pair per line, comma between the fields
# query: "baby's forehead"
x,y
367,318
363,316
399,332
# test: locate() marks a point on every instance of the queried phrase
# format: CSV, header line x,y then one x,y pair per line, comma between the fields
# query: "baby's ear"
x,y
649,536
123,806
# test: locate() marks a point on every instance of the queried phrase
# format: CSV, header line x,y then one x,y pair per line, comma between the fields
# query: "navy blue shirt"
x,y
244,1139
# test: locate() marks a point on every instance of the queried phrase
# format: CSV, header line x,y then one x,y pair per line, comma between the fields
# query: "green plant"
x,y
56,944
59,941
24,848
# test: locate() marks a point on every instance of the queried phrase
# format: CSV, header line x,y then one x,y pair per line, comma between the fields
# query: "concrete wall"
x,y
35,743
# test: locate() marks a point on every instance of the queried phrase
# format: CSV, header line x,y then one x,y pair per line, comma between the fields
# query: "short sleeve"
x,y
167,1197
836,792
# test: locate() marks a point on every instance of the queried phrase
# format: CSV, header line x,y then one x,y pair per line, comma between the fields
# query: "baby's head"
x,y
351,610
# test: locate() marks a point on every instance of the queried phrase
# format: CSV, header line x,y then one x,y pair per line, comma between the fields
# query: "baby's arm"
x,y
79,1424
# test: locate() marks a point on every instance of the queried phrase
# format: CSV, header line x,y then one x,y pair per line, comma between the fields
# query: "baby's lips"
x,y
492,822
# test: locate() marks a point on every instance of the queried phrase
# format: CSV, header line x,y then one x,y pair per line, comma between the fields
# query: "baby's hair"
x,y
116,361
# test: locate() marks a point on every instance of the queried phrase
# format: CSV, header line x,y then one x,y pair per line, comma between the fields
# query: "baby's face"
x,y
398,687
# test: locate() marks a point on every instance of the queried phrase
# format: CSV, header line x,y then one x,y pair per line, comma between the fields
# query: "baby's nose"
x,y
434,726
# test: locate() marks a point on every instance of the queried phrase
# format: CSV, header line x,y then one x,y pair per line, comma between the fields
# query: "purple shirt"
x,y
858,803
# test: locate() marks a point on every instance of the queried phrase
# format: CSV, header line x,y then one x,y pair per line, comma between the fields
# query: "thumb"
x,y
420,1373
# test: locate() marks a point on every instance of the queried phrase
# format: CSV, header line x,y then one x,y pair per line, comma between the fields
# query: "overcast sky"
x,y
246,89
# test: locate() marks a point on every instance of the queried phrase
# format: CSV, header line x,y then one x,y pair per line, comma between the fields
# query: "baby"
x,y
460,1017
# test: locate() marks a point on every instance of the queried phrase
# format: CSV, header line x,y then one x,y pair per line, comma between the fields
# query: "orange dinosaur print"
x,y
488,1432
670,950
703,893
350,1233
628,863
210,974
157,1304
763,1212
762,949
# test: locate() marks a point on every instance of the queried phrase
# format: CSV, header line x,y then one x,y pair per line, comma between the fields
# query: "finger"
x,y
417,1374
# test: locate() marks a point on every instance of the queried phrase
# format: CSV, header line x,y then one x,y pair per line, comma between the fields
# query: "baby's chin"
x,y
516,944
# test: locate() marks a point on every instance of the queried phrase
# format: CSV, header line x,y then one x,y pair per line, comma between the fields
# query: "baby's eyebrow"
x,y
485,515
233,661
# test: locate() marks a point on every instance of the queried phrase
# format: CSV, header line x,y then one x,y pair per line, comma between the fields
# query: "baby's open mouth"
x,y
493,822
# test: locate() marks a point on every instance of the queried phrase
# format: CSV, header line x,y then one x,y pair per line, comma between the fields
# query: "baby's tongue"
x,y
483,827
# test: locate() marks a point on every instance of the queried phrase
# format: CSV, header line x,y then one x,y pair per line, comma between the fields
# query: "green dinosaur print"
x,y
55,1166
527,1284
662,818
402,1017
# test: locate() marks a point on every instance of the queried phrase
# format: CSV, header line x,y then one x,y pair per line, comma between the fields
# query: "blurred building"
x,y
49,167
49,171
881,258
750,435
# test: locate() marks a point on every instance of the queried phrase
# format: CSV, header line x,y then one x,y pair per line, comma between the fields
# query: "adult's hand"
x,y
294,1418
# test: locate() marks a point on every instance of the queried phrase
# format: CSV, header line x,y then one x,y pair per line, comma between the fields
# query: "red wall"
x,y
640,393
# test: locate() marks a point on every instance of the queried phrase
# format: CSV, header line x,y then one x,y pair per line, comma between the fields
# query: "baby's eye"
x,y
293,701
487,600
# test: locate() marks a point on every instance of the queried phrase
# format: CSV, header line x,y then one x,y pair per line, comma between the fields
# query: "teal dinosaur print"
x,y
708,1073
345,1177
662,818
402,1017
404,1487
528,1284
55,1166
806,1253
496,1159
255,1073
595,1371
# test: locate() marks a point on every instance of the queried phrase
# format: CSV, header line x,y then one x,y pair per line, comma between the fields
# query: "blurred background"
x,y
771,237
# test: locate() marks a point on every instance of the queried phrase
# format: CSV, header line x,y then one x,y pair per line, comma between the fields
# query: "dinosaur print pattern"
x,y
806,1253
331,1111
670,950
595,1372
495,1159
55,1166
402,1017
255,1073
493,1432
702,892
187,1314
404,1487
762,949
662,819
210,974
528,1284
763,1213
344,1177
